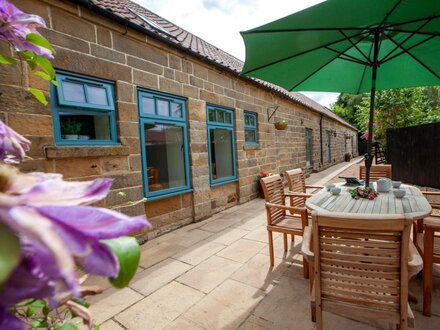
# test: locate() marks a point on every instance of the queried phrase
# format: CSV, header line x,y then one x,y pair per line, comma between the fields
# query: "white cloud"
x,y
325,99
220,21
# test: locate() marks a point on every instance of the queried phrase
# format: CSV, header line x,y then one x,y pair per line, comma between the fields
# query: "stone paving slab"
x,y
215,274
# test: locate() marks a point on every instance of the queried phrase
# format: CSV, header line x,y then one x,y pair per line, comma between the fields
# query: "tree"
x,y
399,108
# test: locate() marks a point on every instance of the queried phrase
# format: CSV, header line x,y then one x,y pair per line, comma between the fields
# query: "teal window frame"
x,y
253,115
215,124
59,104
164,120
309,146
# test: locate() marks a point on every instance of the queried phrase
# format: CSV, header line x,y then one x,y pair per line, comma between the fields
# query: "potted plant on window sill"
x,y
71,129
281,125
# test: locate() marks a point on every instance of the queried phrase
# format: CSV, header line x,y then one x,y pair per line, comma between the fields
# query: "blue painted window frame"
x,y
227,126
59,104
250,127
164,120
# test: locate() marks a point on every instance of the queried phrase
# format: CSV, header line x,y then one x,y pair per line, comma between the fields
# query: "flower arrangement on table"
x,y
363,192
281,124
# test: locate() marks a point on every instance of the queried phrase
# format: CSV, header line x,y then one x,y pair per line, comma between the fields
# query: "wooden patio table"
x,y
413,204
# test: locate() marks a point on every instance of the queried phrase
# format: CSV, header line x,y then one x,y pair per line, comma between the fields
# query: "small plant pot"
x,y
260,190
280,126
71,136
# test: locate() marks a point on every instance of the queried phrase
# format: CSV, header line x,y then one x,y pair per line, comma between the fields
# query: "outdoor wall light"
x,y
334,133
302,121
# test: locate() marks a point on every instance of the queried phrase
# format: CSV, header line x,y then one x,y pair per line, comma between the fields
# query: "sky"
x,y
219,22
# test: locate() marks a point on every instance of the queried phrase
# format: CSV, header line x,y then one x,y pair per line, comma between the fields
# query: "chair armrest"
x,y
306,244
431,193
432,222
314,186
415,261
285,207
297,194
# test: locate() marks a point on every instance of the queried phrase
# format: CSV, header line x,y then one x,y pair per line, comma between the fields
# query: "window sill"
x,y
215,184
155,198
251,146
56,152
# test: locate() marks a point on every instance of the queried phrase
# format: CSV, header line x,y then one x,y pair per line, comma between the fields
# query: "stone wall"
x,y
98,47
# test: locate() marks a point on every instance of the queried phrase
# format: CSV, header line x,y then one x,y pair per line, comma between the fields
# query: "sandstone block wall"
x,y
89,44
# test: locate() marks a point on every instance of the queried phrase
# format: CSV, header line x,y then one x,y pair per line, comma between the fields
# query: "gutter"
x,y
320,139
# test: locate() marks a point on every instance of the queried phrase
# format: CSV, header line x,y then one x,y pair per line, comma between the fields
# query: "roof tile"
x,y
196,45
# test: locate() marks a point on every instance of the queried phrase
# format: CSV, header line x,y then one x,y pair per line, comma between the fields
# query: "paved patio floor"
x,y
215,274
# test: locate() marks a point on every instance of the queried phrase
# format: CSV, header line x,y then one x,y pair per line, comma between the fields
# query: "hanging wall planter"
x,y
281,125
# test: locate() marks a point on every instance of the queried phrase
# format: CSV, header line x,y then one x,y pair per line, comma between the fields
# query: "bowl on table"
x,y
396,184
329,186
399,193
335,190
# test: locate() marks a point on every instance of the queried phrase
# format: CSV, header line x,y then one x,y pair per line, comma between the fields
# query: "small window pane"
x,y
148,106
73,92
228,118
164,148
251,120
221,153
246,120
84,127
249,135
176,110
220,117
163,108
97,95
211,114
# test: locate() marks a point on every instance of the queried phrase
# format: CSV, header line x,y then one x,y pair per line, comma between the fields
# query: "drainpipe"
x,y
320,139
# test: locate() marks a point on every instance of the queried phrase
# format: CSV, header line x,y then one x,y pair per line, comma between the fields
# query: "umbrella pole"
x,y
368,155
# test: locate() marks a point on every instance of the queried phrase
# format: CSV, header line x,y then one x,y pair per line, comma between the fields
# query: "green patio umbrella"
x,y
351,46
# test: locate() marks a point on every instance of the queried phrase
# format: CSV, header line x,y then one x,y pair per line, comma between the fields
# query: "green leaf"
x,y
9,252
40,41
43,75
30,311
7,60
128,253
45,64
39,95
66,326
38,303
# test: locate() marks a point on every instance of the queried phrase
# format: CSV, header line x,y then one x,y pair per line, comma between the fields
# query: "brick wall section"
x,y
93,45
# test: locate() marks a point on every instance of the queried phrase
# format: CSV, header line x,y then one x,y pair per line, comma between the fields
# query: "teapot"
x,y
383,185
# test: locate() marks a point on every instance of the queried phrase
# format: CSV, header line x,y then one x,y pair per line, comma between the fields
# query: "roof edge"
x,y
109,14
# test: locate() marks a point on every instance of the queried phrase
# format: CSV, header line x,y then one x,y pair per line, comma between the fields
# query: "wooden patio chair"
x,y
376,172
297,187
428,244
362,264
277,218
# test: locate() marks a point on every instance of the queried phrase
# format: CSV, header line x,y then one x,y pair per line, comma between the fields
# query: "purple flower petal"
x,y
55,191
10,322
94,222
40,231
12,144
101,261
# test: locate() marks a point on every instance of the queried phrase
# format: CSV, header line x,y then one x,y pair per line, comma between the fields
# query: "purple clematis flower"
x,y
15,25
13,146
57,229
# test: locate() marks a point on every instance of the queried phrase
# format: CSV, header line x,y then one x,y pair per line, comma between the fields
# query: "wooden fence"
x,y
414,153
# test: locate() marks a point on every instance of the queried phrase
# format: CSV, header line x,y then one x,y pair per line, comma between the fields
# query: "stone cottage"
x,y
162,112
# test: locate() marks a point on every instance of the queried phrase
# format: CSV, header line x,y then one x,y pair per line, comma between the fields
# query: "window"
x,y
250,128
221,145
309,147
164,144
83,111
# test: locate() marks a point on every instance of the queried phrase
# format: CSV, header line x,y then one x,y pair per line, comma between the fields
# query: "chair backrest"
x,y
376,172
297,183
273,190
361,264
